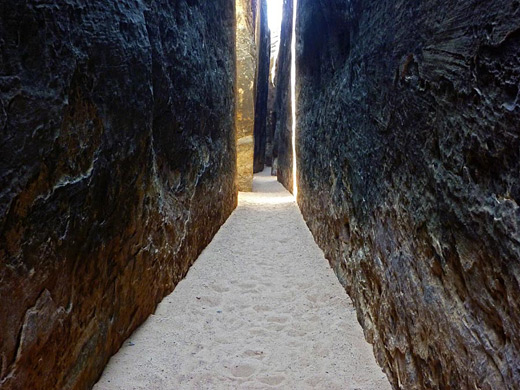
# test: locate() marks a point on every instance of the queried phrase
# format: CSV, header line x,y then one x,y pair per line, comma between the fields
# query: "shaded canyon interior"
x,y
129,127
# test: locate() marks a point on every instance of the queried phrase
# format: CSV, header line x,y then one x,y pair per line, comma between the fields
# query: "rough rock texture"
x,y
270,124
409,161
282,148
245,96
263,43
271,98
117,166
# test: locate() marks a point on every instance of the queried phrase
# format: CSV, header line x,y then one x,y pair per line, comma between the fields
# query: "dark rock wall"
x,y
409,161
117,166
262,86
270,125
282,148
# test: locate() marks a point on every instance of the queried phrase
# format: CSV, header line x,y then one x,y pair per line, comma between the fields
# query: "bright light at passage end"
x,y
274,14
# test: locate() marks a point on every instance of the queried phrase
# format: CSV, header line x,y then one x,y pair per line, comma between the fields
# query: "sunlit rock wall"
x,y
245,96
263,42
409,161
117,167
282,148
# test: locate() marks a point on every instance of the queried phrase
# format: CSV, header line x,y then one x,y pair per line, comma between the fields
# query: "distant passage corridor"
x,y
260,309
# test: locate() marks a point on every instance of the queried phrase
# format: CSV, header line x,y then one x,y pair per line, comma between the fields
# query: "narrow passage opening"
x,y
275,17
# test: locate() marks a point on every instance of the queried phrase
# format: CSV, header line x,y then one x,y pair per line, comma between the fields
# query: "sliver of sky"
x,y
274,19
274,14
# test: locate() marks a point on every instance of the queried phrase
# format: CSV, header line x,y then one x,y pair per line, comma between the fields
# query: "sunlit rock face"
x,y
245,96
408,171
282,143
263,42
117,167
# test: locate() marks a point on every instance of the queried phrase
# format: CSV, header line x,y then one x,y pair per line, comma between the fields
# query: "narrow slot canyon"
x,y
260,308
257,194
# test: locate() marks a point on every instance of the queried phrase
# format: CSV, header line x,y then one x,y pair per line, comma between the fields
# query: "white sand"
x,y
259,309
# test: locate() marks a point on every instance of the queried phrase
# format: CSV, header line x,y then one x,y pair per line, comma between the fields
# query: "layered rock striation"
x,y
117,167
282,141
408,158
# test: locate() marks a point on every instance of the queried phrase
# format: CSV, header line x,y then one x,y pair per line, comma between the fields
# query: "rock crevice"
x,y
246,76
263,40
282,148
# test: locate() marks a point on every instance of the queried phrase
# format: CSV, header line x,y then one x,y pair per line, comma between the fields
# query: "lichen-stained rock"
x,y
282,148
263,43
245,97
117,166
409,161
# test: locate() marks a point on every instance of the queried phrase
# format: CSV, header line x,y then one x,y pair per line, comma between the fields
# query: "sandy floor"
x,y
259,309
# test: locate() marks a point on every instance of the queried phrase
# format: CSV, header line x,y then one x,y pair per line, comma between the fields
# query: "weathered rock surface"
x,y
409,161
245,93
263,43
270,125
117,166
271,97
282,147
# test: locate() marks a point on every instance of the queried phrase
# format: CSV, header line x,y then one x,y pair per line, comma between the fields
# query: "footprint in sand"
x,y
277,319
223,341
296,333
247,286
209,301
320,351
312,319
260,355
312,298
305,285
242,370
262,332
261,308
272,380
276,326
219,288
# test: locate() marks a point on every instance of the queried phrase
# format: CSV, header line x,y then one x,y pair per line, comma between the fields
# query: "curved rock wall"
x,y
117,167
408,158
